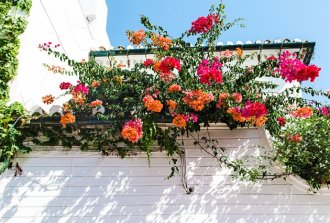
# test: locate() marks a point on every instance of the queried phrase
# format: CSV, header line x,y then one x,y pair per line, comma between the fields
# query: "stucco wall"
x,y
60,22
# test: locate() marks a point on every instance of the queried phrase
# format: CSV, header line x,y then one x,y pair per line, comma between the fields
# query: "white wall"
x,y
60,22
74,186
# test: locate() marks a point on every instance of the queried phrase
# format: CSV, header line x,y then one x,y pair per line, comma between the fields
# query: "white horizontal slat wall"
x,y
74,186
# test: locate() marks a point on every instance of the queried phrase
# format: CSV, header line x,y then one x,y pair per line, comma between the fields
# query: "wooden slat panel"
x,y
75,186
165,209
206,218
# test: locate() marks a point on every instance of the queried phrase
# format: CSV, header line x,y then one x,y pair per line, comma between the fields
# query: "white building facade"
x,y
67,186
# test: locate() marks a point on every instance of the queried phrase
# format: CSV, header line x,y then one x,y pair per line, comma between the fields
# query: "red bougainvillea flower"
x,y
179,121
96,103
303,112
293,69
295,138
237,97
255,109
174,88
210,70
308,73
151,104
148,63
48,99
136,37
169,64
204,24
281,121
132,130
272,58
65,85
95,84
68,118
81,88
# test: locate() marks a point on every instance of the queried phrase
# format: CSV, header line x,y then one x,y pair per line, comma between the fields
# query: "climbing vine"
x,y
12,24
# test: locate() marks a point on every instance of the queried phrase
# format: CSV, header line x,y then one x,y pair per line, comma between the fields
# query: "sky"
x,y
264,19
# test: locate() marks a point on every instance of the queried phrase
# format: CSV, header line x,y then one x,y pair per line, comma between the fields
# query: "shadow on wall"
x,y
84,187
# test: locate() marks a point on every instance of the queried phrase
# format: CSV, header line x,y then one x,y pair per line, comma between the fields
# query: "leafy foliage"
x,y
11,26
309,158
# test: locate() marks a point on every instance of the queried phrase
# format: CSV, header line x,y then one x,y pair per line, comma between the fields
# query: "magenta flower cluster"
x,y
210,70
293,69
82,88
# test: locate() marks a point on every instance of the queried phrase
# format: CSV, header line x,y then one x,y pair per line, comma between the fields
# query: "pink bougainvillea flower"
x,y
237,97
227,53
293,69
191,117
81,88
325,111
209,70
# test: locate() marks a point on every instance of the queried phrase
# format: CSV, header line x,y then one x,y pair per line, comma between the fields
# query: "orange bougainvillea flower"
x,y
197,99
260,121
156,66
172,104
222,100
136,37
235,112
68,118
174,88
132,130
161,41
303,112
96,103
48,99
223,96
239,52
179,121
95,84
78,97
66,107
151,104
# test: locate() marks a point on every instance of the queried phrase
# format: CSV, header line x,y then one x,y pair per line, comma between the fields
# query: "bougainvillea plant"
x,y
188,86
